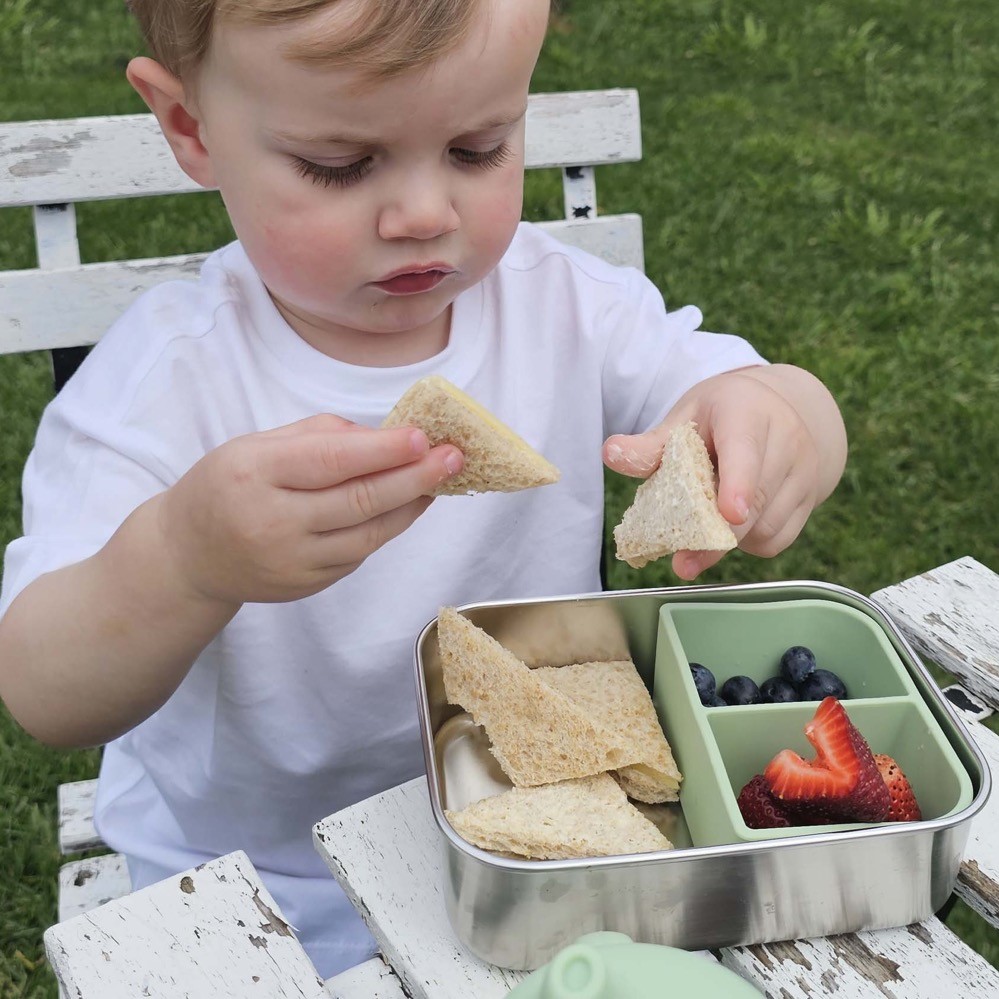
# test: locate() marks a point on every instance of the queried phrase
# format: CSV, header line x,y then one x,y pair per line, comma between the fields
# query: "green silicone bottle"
x,y
612,966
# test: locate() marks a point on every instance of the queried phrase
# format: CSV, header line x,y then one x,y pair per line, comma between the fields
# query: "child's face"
x,y
368,207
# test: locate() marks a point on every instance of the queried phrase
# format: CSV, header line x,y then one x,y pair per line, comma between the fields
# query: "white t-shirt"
x,y
297,710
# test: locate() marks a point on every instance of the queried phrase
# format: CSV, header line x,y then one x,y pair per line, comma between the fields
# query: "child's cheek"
x,y
496,218
296,250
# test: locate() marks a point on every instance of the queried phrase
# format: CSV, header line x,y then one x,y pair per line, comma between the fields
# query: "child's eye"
x,y
333,176
486,159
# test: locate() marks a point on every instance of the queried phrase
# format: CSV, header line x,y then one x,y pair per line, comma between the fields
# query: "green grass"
x,y
818,176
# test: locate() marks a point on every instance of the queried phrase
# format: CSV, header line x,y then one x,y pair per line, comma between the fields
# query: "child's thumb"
x,y
635,454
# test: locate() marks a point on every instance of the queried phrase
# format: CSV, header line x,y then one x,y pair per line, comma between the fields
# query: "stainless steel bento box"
x,y
518,913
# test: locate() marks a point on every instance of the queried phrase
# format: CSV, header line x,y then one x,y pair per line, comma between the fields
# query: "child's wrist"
x,y
148,541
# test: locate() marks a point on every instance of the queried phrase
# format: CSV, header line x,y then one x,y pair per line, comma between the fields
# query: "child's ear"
x,y
164,93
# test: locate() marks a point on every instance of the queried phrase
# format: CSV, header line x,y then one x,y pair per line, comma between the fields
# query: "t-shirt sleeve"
x,y
84,476
654,356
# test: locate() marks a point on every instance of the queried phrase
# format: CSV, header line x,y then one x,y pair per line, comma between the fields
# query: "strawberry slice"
x,y
842,782
759,809
904,807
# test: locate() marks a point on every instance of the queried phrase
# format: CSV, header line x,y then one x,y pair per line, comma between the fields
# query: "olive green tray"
x,y
719,749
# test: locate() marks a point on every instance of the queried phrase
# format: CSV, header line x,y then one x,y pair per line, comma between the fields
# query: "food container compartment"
x,y
724,884
720,748
732,638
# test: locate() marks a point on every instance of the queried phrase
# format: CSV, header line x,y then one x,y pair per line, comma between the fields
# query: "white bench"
x,y
229,895
85,884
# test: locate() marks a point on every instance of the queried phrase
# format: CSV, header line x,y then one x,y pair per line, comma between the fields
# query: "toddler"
x,y
225,562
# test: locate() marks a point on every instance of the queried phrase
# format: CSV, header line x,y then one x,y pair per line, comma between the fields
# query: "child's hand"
x,y
282,514
779,445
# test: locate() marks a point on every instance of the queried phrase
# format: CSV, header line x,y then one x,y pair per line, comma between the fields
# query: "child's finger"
x,y
740,459
689,565
319,423
354,544
366,497
780,522
635,454
321,460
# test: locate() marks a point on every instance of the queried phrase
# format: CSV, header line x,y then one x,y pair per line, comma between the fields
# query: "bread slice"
x,y
651,785
538,734
676,507
588,817
614,695
496,459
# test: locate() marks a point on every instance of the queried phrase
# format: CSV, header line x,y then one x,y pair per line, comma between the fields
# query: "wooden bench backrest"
x,y
52,165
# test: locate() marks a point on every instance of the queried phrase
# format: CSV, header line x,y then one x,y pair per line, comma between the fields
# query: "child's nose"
x,y
421,211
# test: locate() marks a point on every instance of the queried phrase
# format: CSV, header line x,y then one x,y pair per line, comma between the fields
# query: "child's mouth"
x,y
413,282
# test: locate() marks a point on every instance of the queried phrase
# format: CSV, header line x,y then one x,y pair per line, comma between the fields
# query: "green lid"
x,y
612,966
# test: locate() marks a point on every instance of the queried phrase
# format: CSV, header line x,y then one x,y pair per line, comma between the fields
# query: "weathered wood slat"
x,y
34,314
372,980
76,816
978,878
213,931
55,236
386,855
911,962
951,615
615,238
86,159
385,852
126,156
87,884
35,309
971,707
585,127
579,192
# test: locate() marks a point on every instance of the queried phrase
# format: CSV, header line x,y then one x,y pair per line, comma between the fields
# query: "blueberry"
x,y
716,702
740,690
704,681
777,690
797,663
820,684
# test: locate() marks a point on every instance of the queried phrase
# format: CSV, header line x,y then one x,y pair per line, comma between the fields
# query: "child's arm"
x,y
89,651
780,446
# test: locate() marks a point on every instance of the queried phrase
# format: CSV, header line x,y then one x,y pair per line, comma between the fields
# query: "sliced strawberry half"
x,y
759,808
904,807
842,782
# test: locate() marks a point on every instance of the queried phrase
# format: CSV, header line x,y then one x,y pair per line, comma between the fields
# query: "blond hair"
x,y
386,37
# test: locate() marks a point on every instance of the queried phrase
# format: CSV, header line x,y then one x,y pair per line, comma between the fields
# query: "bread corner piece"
x,y
537,733
496,459
615,696
587,817
675,508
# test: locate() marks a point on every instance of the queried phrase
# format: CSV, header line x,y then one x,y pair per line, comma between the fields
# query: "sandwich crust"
x,y
587,817
496,458
614,695
675,508
538,734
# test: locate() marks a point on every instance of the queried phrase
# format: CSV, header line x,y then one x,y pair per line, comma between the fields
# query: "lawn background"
x,y
820,177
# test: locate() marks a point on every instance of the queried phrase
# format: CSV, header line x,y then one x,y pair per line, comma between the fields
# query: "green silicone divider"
x,y
900,727
719,749
690,738
742,638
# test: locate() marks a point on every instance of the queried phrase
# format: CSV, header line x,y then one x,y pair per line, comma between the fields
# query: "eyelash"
x,y
333,176
487,160
346,176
